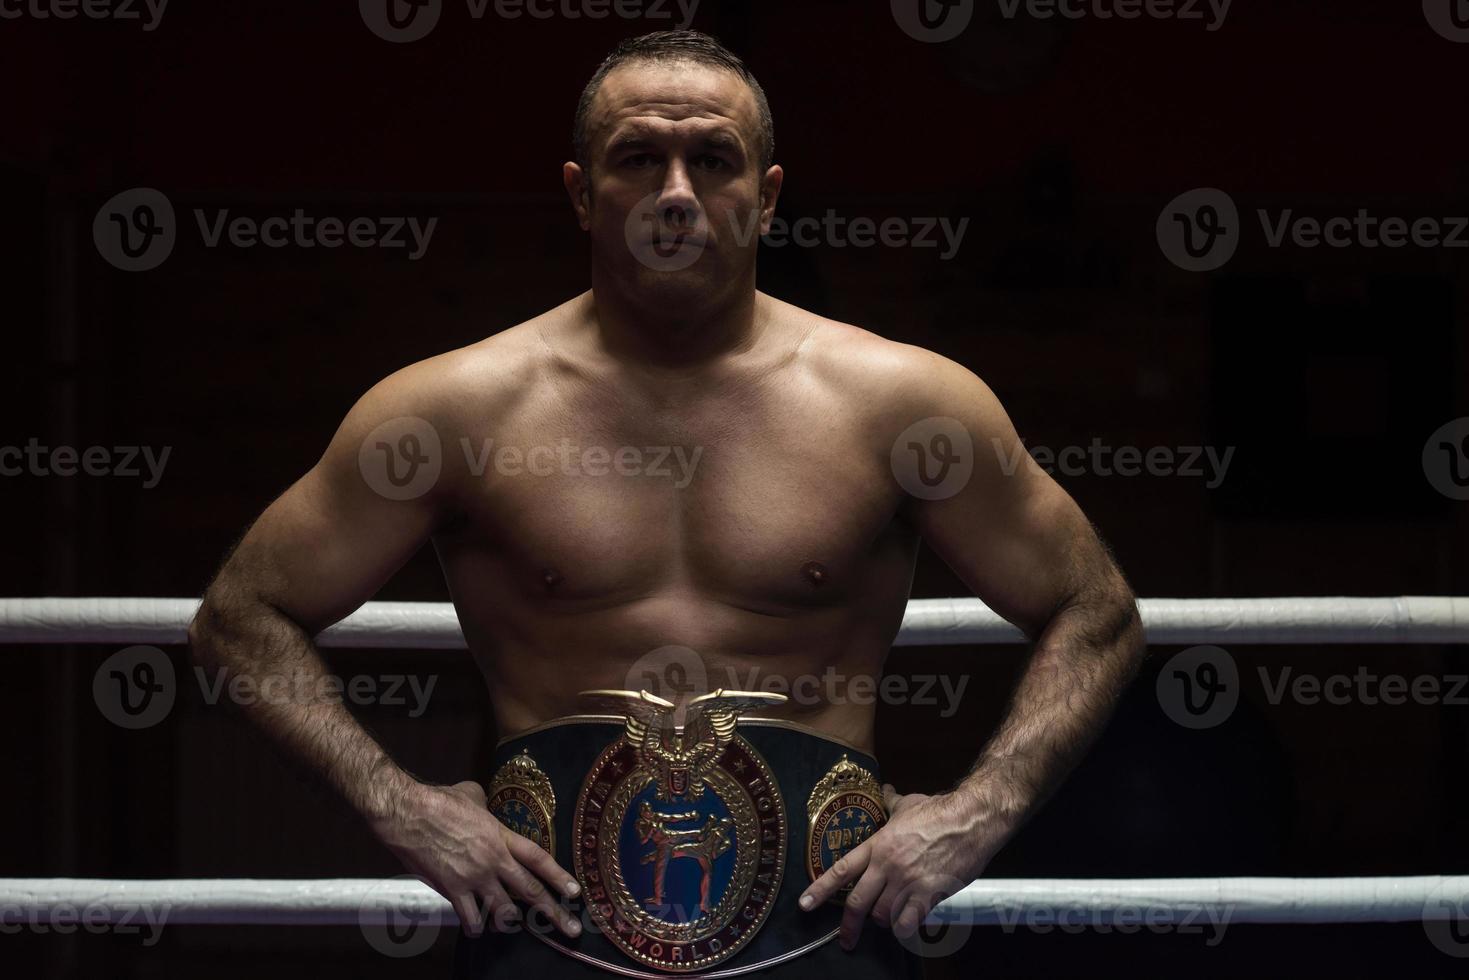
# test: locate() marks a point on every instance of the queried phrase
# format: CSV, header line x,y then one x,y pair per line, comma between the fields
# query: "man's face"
x,y
675,201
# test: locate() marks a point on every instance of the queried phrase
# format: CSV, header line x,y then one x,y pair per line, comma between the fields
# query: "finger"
x,y
534,857
472,791
468,912
859,904
916,904
521,882
890,798
887,906
915,910
848,868
499,911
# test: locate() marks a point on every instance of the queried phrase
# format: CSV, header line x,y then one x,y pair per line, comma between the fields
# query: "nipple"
x,y
815,573
551,577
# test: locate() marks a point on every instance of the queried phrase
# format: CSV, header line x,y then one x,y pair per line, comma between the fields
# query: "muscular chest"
x,y
767,503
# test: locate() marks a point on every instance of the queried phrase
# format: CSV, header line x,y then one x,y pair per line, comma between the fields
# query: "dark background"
x,y
1326,369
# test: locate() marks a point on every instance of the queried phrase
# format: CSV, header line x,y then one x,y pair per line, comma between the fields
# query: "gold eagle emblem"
x,y
678,756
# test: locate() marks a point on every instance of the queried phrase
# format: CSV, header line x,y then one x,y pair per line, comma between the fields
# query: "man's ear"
x,y
578,188
769,194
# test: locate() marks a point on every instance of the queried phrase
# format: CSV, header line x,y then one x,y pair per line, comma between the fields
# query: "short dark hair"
x,y
672,46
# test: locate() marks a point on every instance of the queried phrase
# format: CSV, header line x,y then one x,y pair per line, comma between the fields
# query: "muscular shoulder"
x,y
457,386
887,382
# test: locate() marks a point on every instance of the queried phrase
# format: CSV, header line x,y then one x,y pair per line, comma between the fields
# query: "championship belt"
x,y
522,797
843,810
681,835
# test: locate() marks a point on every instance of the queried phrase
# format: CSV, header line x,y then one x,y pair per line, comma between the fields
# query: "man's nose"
x,y
677,205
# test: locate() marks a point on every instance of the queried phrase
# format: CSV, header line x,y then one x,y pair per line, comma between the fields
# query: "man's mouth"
x,y
679,239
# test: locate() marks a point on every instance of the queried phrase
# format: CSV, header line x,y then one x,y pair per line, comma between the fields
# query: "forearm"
x,y
247,644
1082,661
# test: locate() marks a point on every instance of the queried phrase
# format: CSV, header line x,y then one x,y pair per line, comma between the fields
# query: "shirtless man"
x,y
788,550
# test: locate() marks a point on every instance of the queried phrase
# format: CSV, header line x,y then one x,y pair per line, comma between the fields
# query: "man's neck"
x,y
651,334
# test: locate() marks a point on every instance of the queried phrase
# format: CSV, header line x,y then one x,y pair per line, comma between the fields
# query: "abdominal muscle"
x,y
679,644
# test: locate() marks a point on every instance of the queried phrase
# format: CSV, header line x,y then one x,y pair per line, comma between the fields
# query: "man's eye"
x,y
638,160
711,162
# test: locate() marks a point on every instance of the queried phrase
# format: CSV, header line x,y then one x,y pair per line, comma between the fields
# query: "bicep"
x,y
1014,536
335,536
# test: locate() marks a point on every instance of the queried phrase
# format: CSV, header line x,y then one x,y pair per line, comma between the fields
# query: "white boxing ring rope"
x,y
991,901
927,622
